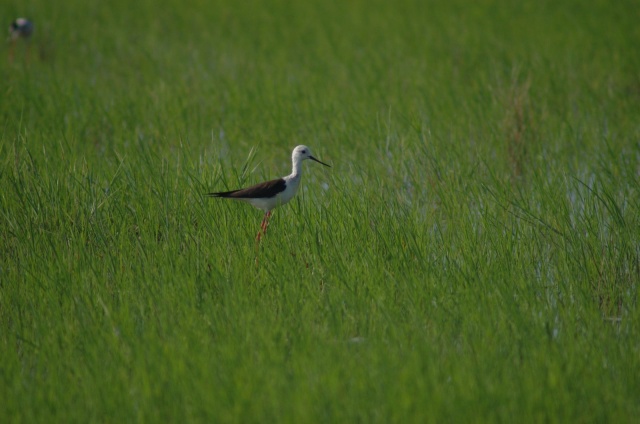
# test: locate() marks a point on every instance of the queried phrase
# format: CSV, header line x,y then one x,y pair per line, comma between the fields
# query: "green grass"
x,y
472,256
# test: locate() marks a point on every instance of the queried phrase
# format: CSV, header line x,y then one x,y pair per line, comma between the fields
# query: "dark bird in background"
x,y
21,28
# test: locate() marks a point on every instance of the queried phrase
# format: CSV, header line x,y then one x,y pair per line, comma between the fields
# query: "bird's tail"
x,y
221,194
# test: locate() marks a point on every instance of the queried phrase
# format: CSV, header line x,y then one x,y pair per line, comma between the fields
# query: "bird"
x,y
271,194
19,28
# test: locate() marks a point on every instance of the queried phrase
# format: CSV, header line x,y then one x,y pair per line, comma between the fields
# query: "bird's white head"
x,y
301,153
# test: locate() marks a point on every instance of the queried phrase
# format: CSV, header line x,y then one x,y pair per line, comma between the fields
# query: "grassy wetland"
x,y
473,254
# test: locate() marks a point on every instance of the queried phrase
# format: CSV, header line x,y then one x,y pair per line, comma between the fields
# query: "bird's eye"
x,y
304,152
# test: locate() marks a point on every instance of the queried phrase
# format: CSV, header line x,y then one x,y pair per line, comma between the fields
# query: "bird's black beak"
x,y
312,158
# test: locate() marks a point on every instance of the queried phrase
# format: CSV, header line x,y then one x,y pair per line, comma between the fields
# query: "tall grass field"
x,y
472,255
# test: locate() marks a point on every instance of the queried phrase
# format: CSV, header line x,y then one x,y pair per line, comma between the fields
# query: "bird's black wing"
x,y
263,190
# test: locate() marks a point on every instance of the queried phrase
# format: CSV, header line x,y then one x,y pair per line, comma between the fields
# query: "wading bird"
x,y
274,193
20,28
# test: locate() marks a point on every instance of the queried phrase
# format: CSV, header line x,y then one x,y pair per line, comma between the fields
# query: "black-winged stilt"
x,y
274,193
20,28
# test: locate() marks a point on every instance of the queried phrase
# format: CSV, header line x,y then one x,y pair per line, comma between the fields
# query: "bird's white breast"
x,y
292,188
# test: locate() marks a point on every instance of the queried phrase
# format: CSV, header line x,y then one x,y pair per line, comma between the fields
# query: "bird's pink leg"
x,y
265,222
259,236
263,226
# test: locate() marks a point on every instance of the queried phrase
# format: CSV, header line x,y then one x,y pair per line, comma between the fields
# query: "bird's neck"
x,y
297,170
